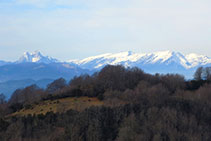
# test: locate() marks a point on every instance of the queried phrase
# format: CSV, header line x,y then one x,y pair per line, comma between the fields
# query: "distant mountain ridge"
x,y
156,62
36,57
131,59
3,63
9,87
37,66
33,67
37,71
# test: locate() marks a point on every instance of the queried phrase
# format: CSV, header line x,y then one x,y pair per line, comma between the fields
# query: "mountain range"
x,y
37,67
130,59
10,86
157,62
34,68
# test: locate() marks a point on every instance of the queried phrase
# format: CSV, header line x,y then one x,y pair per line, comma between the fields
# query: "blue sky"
x,y
69,29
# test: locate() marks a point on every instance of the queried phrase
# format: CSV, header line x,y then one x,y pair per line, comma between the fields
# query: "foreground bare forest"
x,y
117,103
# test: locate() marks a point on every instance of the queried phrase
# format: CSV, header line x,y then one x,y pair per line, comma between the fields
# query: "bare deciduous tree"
x,y
198,74
207,73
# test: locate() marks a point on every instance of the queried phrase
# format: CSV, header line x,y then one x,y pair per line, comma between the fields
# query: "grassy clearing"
x,y
59,105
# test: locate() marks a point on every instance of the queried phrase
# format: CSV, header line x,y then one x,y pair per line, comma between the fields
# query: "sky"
x,y
75,29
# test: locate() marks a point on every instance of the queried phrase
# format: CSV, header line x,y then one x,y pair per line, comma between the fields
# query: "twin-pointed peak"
x,y
35,57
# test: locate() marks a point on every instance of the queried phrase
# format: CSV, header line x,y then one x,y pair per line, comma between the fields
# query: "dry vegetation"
x,y
115,104
59,106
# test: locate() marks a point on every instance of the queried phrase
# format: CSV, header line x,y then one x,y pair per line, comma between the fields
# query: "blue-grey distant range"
x,y
35,68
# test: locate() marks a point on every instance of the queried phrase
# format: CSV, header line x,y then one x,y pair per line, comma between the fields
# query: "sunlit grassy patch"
x,y
59,105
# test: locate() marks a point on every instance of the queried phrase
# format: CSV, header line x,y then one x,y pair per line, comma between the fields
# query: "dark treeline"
x,y
137,106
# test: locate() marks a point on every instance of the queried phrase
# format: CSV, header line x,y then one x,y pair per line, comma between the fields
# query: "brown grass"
x,y
60,106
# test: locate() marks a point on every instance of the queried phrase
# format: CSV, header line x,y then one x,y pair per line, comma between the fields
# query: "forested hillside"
x,y
117,103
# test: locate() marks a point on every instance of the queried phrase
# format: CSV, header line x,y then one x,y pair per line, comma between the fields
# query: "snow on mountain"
x,y
130,59
156,62
198,60
36,57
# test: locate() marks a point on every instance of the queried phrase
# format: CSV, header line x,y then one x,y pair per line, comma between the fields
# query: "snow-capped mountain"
x,y
35,66
153,61
36,57
131,59
198,60
156,62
